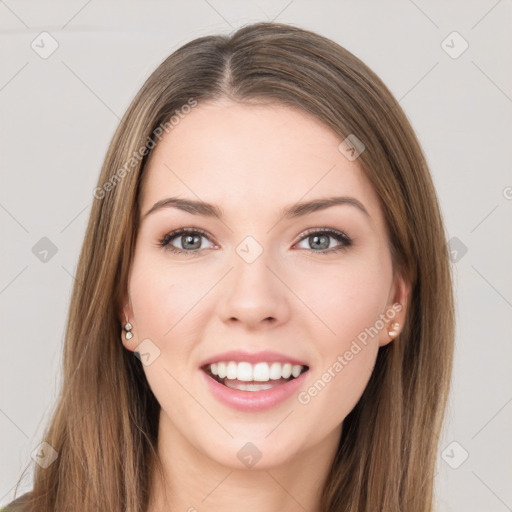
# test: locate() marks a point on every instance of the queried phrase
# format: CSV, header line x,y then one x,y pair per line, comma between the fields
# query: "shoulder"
x,y
19,504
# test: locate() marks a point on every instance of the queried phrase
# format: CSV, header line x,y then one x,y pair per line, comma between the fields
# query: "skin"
x,y
253,161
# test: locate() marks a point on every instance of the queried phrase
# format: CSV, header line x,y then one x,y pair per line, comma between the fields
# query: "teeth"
x,y
244,372
231,370
296,369
259,372
249,386
275,371
287,371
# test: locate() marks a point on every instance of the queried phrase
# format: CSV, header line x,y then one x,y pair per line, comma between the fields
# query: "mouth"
x,y
245,376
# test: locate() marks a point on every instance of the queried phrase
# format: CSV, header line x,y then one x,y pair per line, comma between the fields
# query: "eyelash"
x,y
345,240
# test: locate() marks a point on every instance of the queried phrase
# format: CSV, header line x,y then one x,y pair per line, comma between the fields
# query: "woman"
x,y
266,239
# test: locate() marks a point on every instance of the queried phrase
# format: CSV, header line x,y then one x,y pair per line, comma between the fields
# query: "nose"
x,y
255,294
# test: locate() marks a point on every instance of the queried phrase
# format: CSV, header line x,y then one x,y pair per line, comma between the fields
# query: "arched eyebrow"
x,y
187,205
307,207
296,210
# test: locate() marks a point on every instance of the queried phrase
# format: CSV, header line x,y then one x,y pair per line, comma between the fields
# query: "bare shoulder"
x,y
20,504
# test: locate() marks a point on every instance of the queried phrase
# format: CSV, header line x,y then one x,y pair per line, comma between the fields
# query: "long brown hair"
x,y
105,424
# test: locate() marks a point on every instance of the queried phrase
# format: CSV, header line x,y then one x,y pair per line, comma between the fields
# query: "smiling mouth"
x,y
245,376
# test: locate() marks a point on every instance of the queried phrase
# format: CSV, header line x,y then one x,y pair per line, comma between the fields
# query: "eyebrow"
x,y
296,210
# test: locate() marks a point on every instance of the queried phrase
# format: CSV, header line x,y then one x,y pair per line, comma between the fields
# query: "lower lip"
x,y
252,401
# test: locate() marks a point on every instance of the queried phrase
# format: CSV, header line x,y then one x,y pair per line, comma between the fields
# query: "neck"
x,y
194,482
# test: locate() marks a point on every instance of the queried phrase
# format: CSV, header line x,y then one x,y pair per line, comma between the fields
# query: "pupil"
x,y
314,240
190,239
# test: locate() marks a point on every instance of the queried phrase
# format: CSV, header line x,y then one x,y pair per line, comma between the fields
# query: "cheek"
x,y
346,356
162,295
333,392
350,304
151,294
162,299
347,298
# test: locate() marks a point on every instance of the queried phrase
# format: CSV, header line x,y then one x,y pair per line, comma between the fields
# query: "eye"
x,y
191,243
188,238
318,239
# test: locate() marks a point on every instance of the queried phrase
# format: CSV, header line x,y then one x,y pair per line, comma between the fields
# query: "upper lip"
x,y
266,356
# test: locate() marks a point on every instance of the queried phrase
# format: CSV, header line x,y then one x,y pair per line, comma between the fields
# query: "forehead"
x,y
248,157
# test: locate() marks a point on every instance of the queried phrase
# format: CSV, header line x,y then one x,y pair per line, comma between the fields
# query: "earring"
x,y
127,328
394,329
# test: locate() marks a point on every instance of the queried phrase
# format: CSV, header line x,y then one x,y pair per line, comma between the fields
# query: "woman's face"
x,y
311,291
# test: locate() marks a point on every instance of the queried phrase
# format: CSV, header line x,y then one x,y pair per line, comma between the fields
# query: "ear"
x,y
396,310
125,314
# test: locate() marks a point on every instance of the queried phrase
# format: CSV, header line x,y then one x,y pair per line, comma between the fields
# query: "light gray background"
x,y
59,113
